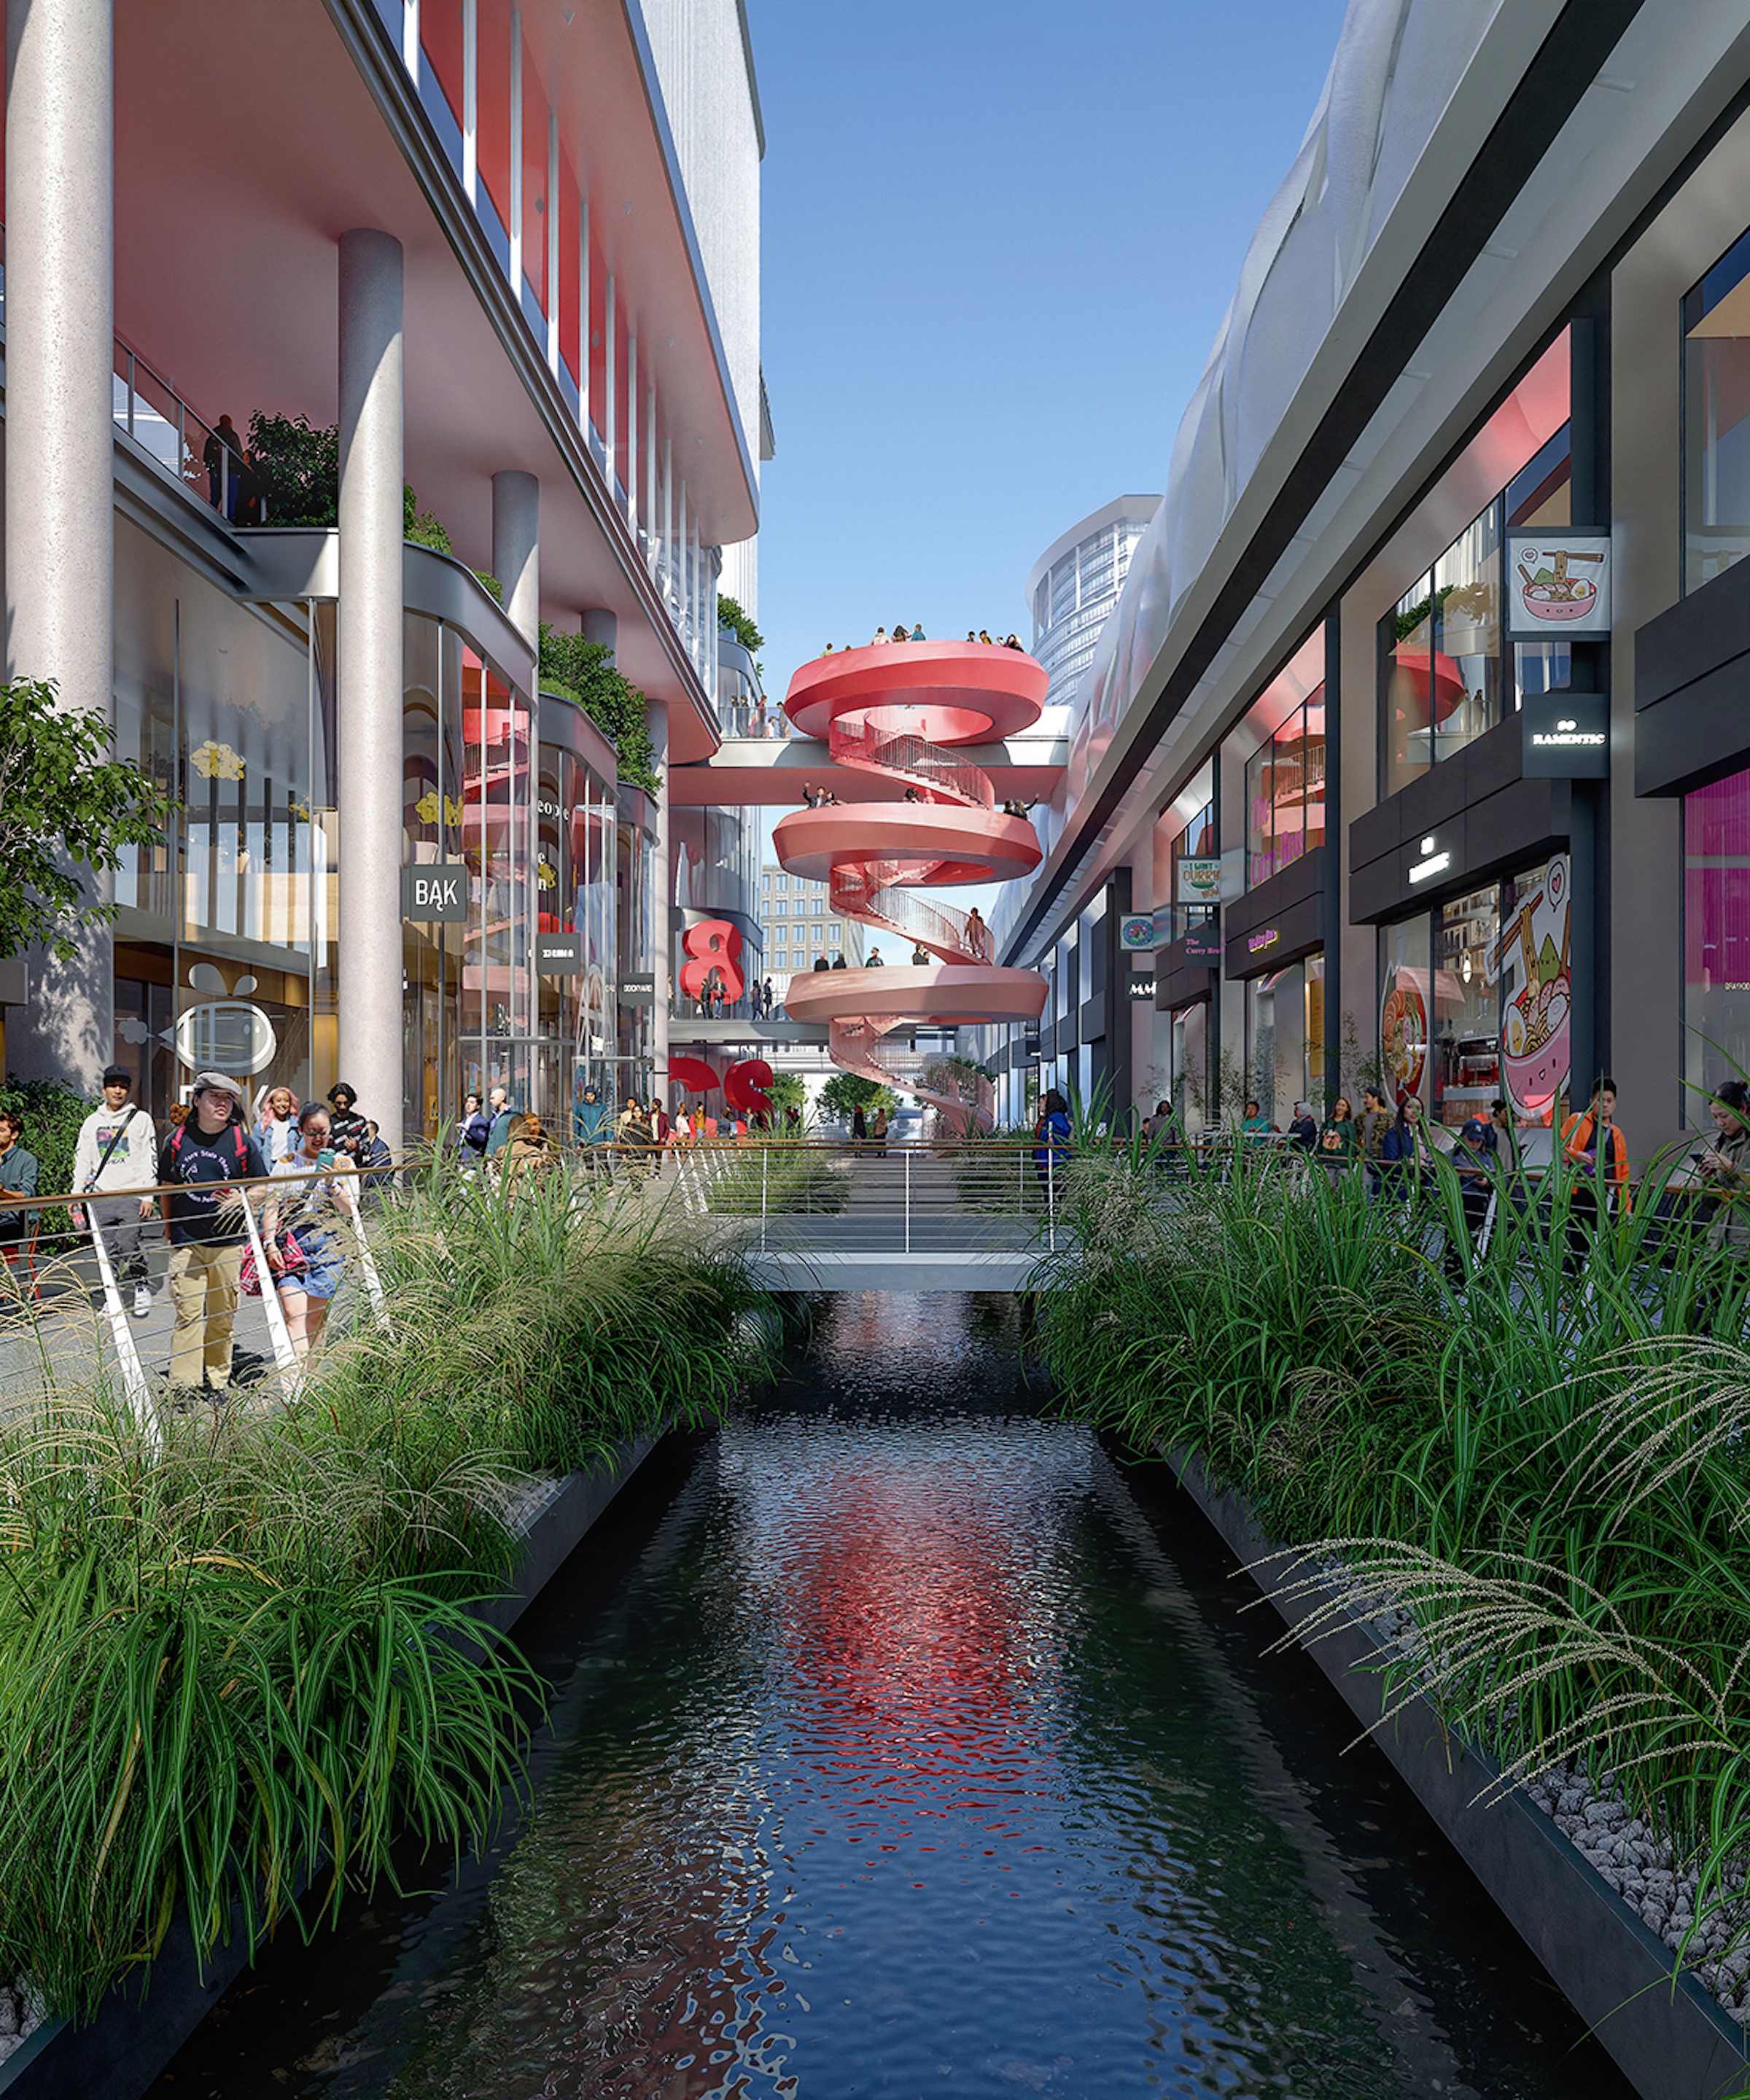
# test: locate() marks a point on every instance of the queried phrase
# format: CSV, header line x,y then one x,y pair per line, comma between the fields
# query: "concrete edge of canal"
x,y
1668,2035
136,2034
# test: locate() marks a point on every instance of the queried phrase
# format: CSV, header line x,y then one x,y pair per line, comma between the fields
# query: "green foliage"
x,y
788,1091
845,1092
297,466
1541,1459
423,527
739,624
584,672
65,802
52,1115
491,583
250,1659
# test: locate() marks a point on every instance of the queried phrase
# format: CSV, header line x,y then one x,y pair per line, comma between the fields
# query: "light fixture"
x,y
1427,845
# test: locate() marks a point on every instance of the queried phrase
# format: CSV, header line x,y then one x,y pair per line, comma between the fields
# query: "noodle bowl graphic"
x,y
1553,594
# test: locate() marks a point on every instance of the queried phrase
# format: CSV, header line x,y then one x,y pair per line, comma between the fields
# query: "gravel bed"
x,y
20,2016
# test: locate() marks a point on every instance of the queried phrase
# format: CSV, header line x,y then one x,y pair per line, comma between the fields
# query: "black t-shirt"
x,y
200,1162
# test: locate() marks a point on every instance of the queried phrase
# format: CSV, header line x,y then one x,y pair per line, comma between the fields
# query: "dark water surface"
x,y
904,1743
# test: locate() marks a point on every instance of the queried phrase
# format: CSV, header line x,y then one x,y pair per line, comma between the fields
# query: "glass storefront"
x,y
1442,667
1716,417
1474,999
1284,793
1715,940
226,936
1284,1040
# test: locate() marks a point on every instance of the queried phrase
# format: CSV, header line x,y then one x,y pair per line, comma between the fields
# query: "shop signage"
x,y
435,889
1200,880
1558,584
1531,962
1203,942
637,991
1142,987
1266,936
558,956
1433,861
1136,932
1566,736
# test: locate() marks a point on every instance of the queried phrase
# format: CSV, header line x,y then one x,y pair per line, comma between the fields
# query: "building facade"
x,y
1074,585
495,265
799,929
1415,750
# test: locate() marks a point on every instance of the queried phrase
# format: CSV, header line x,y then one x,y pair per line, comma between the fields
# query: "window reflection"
x,y
1716,417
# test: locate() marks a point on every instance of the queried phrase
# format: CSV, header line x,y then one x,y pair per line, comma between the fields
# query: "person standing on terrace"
x,y
199,1166
19,1174
1725,1170
307,1284
118,1148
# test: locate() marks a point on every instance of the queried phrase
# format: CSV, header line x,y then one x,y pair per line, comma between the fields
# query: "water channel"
x,y
904,1742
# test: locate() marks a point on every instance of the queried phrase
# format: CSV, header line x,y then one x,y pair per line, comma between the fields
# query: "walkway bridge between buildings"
x,y
954,1215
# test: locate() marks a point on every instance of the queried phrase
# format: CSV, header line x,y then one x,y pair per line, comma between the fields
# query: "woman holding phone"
x,y
309,1211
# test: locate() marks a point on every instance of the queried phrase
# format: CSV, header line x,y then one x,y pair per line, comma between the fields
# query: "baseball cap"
x,y
1475,1131
222,1081
113,1073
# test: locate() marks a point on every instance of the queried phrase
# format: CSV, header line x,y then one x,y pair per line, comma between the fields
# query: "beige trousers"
x,y
203,1291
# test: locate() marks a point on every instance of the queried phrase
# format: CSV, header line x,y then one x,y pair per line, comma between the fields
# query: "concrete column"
x,y
1335,1079
516,549
656,722
60,443
371,674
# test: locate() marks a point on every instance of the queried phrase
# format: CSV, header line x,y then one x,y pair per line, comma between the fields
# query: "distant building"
x,y
796,927
1075,582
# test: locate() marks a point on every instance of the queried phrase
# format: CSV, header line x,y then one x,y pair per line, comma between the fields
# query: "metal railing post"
x,y
1051,1195
133,1371
278,1332
908,1201
766,1157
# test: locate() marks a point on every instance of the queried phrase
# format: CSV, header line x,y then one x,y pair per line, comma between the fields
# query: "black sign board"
x,y
1566,736
436,889
637,991
1141,986
1203,943
558,956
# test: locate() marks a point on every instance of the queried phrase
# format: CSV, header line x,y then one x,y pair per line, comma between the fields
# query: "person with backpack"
x,y
117,1149
305,1258
200,1165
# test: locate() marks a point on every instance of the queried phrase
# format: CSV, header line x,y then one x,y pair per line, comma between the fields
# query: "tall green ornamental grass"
x,y
250,1662
1545,1460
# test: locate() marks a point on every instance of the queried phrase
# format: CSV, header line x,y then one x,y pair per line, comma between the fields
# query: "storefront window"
x,y
1716,417
1532,965
1403,1006
1279,1044
1284,793
1194,872
1442,667
1465,1051
1716,939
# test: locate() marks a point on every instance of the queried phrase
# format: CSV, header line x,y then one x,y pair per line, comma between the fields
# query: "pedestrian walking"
x,y
117,1147
1724,1167
1303,1131
276,1127
347,1129
1376,1121
1051,1139
589,1122
530,1158
471,1135
1474,1163
1338,1142
200,1165
19,1171
306,1256
376,1164
878,1131
1408,1150
502,1116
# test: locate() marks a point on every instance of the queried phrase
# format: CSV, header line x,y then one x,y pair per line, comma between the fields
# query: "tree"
x,y
297,467
425,528
788,1091
740,625
64,803
585,672
845,1092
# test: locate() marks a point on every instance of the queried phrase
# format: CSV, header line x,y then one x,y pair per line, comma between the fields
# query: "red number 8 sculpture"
x,y
713,944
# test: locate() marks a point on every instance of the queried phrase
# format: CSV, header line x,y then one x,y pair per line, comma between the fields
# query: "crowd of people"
x,y
881,638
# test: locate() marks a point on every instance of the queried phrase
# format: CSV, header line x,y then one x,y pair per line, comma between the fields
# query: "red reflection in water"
x,y
903,1619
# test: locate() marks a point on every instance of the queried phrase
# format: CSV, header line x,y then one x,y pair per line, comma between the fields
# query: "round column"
x,y
516,550
661,937
59,442
371,1025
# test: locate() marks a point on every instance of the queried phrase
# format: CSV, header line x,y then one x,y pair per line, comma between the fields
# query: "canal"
x,y
904,1742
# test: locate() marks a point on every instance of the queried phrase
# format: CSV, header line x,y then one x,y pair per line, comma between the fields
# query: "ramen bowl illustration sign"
x,y
1403,1035
1557,585
1537,1006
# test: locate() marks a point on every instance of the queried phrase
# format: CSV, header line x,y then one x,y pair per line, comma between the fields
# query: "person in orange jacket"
x,y
1594,1144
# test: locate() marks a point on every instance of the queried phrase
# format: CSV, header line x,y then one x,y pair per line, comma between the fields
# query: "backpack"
x,y
237,1138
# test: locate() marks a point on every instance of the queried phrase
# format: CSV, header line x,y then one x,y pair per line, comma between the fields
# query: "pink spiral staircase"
x,y
896,714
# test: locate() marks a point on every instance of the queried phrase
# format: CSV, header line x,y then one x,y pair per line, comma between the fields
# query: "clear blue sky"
x,y
999,239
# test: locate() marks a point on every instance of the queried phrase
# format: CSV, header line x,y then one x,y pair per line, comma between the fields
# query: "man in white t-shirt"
x,y
118,1148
